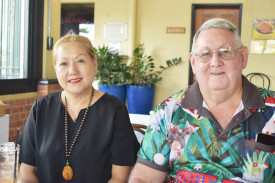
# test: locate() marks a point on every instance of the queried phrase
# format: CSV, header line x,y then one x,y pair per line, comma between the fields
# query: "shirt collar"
x,y
251,97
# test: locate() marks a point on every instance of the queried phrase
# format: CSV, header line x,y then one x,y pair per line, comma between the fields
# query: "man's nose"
x,y
216,59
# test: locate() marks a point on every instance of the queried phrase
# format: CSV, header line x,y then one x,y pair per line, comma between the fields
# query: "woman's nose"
x,y
73,68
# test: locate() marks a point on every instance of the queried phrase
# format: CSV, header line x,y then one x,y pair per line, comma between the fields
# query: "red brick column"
x,y
19,109
46,87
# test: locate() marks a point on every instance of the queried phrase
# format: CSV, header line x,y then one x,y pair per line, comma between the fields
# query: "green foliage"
x,y
143,71
112,68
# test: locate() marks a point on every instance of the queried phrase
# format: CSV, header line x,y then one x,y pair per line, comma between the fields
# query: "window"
x,y
21,41
13,39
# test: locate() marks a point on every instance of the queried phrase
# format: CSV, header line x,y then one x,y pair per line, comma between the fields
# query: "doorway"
x,y
204,12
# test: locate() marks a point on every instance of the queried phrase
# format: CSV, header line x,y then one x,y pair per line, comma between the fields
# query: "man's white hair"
x,y
220,24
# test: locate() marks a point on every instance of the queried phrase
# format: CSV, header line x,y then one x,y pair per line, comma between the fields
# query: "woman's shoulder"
x,y
52,98
110,100
106,97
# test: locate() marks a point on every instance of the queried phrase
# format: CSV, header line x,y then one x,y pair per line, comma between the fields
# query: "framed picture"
x,y
78,19
115,31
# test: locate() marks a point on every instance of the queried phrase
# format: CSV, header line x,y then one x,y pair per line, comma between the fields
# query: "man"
x,y
218,117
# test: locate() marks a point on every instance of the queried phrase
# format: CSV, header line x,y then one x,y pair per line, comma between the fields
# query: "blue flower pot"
x,y
140,99
115,90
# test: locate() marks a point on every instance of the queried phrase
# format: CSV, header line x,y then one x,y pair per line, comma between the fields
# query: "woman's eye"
x,y
80,61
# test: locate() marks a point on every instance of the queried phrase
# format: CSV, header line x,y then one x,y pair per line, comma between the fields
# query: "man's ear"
x,y
192,62
245,54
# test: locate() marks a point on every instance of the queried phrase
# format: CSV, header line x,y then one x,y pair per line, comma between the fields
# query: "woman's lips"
x,y
73,81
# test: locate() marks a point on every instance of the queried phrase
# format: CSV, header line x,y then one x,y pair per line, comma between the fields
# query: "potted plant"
x,y
113,73
143,80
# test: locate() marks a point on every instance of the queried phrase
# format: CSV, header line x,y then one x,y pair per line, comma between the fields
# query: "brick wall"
x,y
47,89
19,109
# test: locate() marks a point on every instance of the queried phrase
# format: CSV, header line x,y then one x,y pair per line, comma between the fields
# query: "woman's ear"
x,y
95,63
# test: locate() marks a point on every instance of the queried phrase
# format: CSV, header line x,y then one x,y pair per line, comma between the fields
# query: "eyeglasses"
x,y
224,53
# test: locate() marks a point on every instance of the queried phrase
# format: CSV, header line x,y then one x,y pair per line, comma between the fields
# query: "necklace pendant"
x,y
67,172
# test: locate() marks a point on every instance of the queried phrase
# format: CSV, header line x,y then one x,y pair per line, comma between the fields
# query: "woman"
x,y
78,134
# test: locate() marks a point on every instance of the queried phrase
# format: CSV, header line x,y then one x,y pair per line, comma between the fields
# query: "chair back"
x,y
139,127
139,130
263,77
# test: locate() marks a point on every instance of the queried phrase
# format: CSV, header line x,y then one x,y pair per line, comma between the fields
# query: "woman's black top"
x,y
106,139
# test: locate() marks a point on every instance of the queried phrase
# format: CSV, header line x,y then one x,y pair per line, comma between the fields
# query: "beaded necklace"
x,y
68,171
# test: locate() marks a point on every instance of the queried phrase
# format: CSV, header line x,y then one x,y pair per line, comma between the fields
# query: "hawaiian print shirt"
x,y
185,140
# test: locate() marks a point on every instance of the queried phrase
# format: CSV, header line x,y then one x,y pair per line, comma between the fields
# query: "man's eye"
x,y
205,53
225,50
62,64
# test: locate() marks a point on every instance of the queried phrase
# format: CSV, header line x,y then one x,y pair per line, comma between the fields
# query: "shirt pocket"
x,y
258,162
259,146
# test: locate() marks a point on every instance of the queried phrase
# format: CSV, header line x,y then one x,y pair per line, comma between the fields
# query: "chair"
x,y
139,127
139,123
139,130
262,76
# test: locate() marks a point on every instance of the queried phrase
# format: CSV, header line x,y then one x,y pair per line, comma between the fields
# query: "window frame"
x,y
35,54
